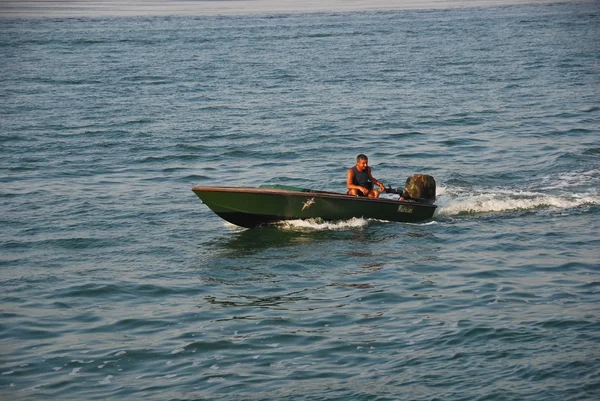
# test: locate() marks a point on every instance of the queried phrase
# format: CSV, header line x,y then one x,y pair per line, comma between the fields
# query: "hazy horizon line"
x,y
113,8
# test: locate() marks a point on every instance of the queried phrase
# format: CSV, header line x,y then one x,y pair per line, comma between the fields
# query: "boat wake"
x,y
320,225
567,191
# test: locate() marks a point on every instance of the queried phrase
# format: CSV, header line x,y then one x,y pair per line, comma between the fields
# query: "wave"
x,y
320,225
501,202
564,191
571,179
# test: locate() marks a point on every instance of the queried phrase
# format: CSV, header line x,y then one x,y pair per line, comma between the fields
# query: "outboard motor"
x,y
420,188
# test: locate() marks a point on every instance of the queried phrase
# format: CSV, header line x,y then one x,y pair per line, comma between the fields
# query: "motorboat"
x,y
252,207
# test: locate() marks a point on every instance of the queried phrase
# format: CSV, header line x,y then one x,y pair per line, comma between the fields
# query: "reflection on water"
x,y
255,301
358,286
240,244
262,253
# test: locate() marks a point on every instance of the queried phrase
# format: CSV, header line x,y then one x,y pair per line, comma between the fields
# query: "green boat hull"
x,y
252,207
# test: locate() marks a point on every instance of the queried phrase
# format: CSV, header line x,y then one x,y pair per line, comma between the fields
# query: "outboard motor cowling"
x,y
421,188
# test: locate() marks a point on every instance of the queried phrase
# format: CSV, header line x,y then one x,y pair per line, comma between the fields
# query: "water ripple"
x,y
118,283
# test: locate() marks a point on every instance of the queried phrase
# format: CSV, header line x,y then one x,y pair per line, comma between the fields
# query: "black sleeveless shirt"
x,y
362,178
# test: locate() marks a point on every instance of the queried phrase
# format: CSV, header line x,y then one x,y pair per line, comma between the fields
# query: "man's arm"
x,y
375,181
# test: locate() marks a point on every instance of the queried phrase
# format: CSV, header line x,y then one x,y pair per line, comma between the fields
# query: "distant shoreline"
x,y
113,8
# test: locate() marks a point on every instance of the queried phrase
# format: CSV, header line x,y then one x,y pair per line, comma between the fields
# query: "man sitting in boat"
x,y
360,181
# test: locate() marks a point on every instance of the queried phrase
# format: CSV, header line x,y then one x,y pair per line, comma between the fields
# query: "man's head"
x,y
362,162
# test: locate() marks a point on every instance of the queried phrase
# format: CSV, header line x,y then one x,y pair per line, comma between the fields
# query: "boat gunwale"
x,y
308,192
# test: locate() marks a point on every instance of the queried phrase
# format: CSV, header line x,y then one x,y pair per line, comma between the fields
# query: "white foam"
x,y
440,190
233,226
74,372
570,179
459,201
429,223
319,225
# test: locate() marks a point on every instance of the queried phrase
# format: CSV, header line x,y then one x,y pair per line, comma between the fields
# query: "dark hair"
x,y
361,157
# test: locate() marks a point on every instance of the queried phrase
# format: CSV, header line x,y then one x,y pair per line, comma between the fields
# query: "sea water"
x,y
117,283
